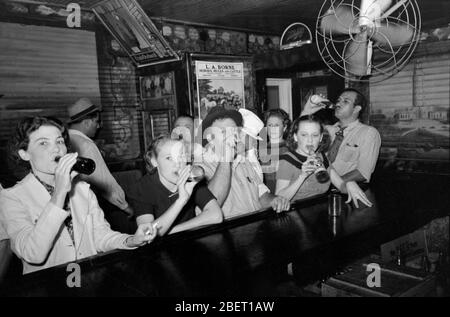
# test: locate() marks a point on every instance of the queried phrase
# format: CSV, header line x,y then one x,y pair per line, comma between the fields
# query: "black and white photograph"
x,y
221,156
156,86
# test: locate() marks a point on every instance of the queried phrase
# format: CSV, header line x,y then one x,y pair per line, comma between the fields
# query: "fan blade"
x,y
337,21
393,34
392,9
371,10
384,4
357,56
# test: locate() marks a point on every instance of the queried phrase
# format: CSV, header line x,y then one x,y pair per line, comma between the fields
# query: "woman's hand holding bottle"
x,y
63,178
320,171
309,166
185,188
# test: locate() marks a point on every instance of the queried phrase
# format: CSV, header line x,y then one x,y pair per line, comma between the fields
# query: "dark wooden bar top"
x,y
248,255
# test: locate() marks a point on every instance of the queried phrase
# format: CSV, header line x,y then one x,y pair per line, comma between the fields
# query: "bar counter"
x,y
251,254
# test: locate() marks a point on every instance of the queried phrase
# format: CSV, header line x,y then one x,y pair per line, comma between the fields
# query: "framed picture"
x,y
201,39
220,80
219,84
259,44
134,31
158,91
156,123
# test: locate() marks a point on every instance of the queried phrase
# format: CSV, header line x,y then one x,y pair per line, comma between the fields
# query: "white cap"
x,y
252,125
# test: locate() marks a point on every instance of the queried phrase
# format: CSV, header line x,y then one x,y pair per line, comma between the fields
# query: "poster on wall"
x,y
219,84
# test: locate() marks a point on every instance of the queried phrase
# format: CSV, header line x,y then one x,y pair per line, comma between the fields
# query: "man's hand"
x,y
129,211
311,108
229,146
355,193
117,198
280,204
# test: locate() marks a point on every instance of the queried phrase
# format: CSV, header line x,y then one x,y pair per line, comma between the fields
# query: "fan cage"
x,y
385,62
284,46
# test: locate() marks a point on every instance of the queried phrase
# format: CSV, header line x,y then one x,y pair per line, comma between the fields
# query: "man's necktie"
x,y
334,148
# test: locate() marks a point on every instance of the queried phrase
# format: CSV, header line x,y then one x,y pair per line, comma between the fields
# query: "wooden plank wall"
x,y
432,80
42,70
395,91
423,82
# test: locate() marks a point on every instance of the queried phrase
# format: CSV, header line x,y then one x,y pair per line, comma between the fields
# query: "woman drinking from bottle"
x,y
171,193
304,170
51,216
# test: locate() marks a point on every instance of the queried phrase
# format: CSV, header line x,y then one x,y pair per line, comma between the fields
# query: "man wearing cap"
x,y
84,121
234,178
248,145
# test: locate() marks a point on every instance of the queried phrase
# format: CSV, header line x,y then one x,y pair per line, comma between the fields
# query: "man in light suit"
x,y
84,122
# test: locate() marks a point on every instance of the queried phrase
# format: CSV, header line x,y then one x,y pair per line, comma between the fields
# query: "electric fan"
x,y
295,35
367,39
